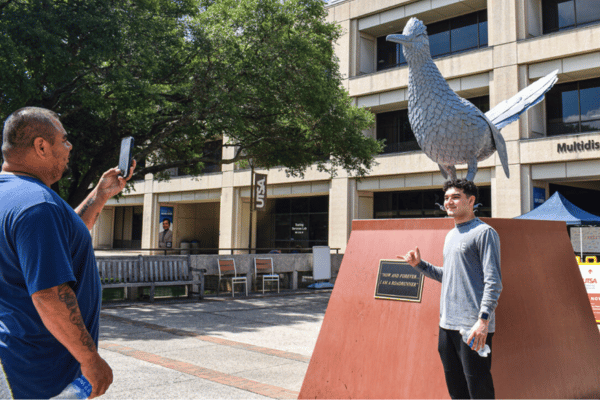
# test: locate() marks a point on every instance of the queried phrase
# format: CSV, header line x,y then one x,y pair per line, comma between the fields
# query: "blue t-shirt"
x,y
43,243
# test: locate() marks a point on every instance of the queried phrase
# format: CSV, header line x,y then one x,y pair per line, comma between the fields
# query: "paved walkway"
x,y
247,348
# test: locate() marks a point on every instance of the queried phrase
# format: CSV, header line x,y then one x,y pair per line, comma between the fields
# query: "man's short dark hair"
x,y
468,187
24,125
166,219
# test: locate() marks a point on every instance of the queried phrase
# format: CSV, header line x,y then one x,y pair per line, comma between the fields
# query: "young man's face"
x,y
166,225
457,204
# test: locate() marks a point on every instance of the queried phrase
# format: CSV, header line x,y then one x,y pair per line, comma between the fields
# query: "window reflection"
x,y
439,39
564,14
464,33
573,107
446,37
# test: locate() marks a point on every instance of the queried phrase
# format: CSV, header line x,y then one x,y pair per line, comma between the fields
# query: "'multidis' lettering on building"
x,y
590,145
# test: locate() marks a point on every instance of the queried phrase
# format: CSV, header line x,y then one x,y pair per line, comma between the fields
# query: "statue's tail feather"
x,y
509,110
500,145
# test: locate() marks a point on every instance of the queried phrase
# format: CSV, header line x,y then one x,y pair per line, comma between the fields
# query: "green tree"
x,y
180,74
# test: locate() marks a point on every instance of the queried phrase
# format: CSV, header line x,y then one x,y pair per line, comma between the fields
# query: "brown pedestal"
x,y
546,344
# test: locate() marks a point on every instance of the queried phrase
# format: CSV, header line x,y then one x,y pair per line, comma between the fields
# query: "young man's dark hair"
x,y
468,187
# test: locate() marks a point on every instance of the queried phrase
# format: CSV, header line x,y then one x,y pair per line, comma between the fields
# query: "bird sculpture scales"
x,y
449,129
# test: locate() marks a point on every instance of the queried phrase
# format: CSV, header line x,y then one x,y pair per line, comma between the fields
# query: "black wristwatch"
x,y
484,316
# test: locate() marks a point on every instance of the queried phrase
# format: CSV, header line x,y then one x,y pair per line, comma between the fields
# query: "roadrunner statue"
x,y
450,129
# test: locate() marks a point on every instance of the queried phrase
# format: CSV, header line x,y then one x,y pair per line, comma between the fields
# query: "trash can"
x,y
185,248
194,244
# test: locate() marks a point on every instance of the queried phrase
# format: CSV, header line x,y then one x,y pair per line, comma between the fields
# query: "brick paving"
x,y
211,339
242,348
204,373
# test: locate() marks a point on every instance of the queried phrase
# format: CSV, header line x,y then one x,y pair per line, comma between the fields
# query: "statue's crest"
x,y
414,27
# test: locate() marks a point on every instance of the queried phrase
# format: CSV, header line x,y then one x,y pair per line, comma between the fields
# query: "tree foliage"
x,y
178,74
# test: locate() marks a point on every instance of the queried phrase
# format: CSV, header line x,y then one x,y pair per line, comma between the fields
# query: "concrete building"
x,y
487,50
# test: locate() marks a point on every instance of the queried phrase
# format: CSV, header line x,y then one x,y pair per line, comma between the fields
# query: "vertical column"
x,y
507,192
505,26
502,22
150,215
526,189
229,205
342,199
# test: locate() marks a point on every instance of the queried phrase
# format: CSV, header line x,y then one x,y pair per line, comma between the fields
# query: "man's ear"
x,y
41,147
472,201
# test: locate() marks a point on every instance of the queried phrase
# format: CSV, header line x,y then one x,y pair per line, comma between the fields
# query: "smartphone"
x,y
125,158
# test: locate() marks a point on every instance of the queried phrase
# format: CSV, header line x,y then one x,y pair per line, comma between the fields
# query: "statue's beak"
x,y
397,38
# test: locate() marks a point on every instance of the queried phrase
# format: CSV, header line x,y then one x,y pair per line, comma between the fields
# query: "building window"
x,y
301,222
451,36
394,128
573,108
564,14
422,204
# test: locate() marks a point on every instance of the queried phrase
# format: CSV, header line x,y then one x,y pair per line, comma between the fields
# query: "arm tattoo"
x,y
85,207
67,296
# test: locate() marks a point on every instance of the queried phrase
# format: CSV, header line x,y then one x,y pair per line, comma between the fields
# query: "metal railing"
x,y
216,251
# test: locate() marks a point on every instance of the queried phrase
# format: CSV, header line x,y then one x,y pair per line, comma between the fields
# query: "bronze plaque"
x,y
397,280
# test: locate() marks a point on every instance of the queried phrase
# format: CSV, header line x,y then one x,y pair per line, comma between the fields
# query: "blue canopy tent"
x,y
557,208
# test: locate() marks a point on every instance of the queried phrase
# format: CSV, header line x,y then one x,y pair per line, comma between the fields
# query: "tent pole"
x,y
581,243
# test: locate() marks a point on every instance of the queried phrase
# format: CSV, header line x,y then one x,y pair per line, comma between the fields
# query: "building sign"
x,y
590,145
165,233
260,192
590,272
587,237
299,228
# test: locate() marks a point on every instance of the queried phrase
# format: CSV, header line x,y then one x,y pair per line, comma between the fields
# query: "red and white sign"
x,y
590,272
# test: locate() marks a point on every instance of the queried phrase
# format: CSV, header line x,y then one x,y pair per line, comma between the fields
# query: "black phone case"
x,y
125,156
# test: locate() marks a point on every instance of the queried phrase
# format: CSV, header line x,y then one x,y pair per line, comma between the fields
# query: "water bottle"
x,y
483,352
80,388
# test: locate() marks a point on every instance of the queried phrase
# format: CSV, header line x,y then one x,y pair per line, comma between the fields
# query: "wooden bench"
x,y
149,271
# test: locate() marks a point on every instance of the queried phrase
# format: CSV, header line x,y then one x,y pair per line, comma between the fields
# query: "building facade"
x,y
487,50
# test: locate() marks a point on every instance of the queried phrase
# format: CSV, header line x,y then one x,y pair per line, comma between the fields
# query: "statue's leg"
x,y
448,171
472,170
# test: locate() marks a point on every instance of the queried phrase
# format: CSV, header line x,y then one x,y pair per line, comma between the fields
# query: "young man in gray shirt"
x,y
471,286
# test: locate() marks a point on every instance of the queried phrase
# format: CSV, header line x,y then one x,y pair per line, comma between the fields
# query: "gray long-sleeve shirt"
x,y
471,279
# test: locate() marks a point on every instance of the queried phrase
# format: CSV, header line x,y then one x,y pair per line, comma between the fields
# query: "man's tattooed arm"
x,y
67,296
88,212
59,311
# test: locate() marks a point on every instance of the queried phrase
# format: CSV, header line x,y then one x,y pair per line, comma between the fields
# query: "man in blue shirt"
x,y
50,292
471,286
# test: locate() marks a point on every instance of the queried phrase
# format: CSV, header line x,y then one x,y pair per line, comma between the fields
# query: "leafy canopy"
x,y
184,78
